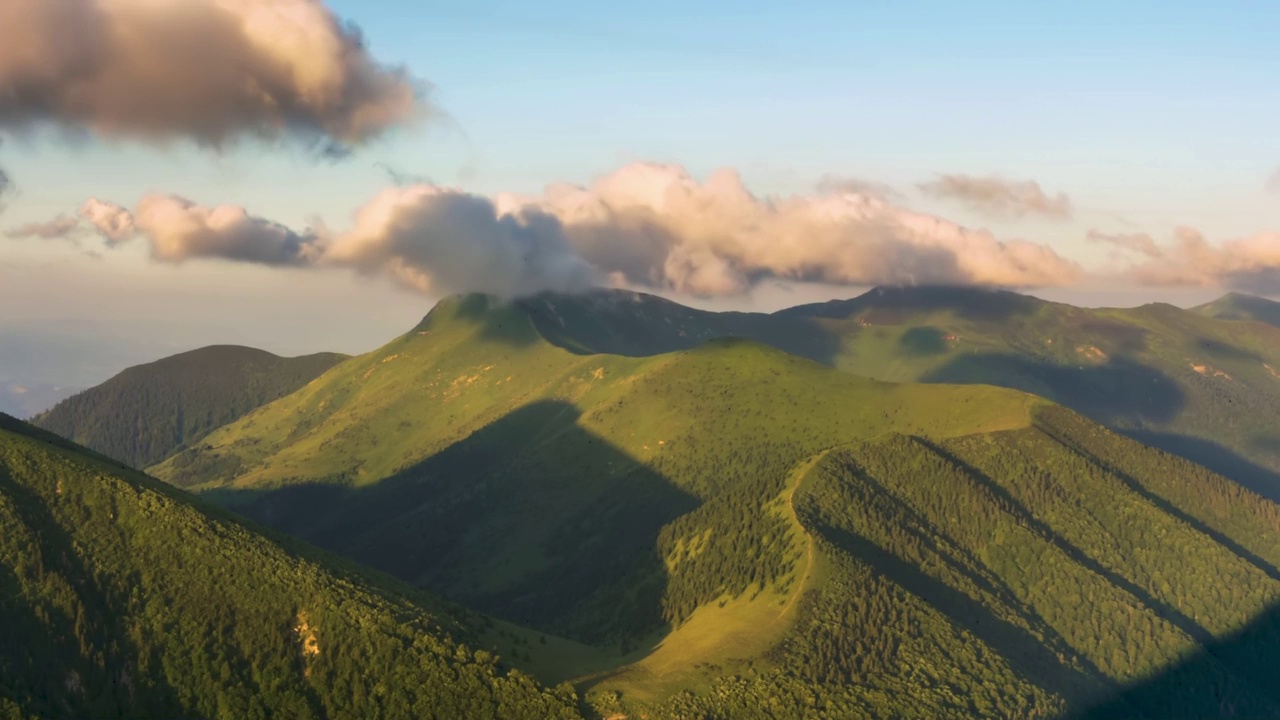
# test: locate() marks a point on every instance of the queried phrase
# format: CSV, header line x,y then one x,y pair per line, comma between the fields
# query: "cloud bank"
x,y
656,226
1000,198
646,225
1250,264
208,70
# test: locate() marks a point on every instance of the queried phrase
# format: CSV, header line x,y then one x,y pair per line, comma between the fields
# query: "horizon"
x,y
628,149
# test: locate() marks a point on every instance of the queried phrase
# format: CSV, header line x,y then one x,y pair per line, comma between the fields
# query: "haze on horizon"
x,y
322,186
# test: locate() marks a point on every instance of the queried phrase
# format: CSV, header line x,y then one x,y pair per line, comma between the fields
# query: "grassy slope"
x,y
703,519
1184,381
146,412
122,598
1235,306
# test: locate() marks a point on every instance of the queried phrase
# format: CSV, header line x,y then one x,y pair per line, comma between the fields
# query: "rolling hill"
x,y
146,412
1181,380
1235,306
122,597
736,532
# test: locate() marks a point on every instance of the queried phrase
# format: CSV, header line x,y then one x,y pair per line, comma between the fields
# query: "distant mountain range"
x,y
735,515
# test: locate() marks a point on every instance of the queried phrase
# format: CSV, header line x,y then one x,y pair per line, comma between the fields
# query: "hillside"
x,y
1235,306
146,412
742,533
122,598
1176,379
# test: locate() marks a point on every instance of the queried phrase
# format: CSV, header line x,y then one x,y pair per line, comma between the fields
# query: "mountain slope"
x,y
1176,379
1235,306
120,598
146,412
743,533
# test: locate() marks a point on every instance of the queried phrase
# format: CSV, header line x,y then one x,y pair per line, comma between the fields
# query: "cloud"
x,y
437,240
1140,243
1250,264
179,229
656,226
998,197
842,184
62,227
114,223
212,71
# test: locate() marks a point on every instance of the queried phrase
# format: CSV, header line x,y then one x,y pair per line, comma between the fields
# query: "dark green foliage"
x,y
145,413
1023,574
120,598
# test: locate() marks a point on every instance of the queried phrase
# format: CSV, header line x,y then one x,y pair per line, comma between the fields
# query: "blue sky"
x,y
1148,114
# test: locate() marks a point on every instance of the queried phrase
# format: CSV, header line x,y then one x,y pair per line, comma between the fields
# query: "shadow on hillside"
x,y
1040,660
1029,520
1215,457
643,326
496,321
923,341
560,536
1234,677
1120,392
1227,352
893,305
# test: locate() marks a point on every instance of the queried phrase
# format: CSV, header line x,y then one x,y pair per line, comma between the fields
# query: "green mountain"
x,y
742,533
1235,306
143,414
122,597
1175,379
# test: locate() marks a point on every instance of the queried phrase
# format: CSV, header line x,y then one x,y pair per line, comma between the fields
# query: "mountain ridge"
x,y
147,411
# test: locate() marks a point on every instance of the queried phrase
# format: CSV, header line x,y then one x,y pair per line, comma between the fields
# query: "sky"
x,y
995,135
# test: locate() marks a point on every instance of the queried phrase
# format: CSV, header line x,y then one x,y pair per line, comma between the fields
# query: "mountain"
x,y
143,414
743,533
122,597
1235,306
1176,379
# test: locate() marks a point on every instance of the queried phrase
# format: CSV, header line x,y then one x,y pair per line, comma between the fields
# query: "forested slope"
x,y
120,598
146,412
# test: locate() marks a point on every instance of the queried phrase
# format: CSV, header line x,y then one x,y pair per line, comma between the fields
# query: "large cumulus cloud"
x,y
438,240
208,70
655,225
